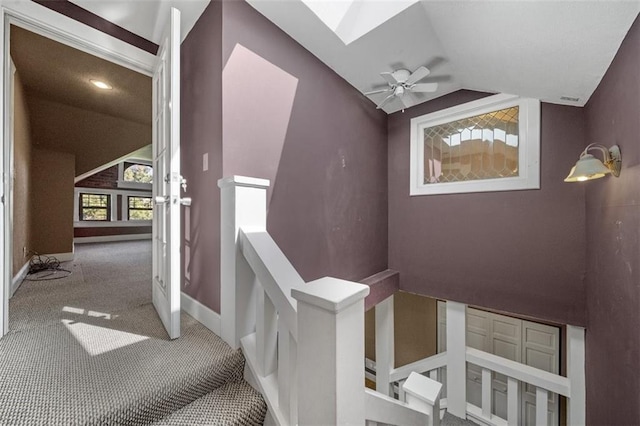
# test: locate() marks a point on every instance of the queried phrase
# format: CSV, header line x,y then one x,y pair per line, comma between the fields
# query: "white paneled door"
x,y
523,341
167,179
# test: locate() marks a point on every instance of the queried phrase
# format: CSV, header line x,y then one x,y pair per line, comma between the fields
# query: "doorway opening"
x,y
71,144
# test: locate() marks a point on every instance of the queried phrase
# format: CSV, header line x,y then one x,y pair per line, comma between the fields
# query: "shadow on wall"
x,y
257,100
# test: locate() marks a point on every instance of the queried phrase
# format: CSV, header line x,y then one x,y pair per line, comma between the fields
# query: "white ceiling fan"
x,y
403,81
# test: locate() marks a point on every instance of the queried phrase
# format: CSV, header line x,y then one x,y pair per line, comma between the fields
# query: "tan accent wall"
x,y
415,326
95,139
52,214
21,176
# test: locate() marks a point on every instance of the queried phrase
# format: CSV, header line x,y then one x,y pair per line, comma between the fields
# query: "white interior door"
x,y
540,349
523,341
167,179
5,247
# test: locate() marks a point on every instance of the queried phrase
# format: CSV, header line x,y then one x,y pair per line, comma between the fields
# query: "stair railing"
x,y
303,342
454,362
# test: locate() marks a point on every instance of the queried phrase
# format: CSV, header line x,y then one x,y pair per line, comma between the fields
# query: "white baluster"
x,y
513,401
433,375
486,393
266,334
456,359
541,407
576,403
384,345
287,374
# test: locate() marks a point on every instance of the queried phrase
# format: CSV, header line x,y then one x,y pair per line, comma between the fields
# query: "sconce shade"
x,y
589,167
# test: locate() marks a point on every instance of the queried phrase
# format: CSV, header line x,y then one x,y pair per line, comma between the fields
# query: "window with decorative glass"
x,y
492,144
140,208
95,207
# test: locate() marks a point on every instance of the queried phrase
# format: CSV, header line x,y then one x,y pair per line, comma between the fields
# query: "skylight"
x,y
351,19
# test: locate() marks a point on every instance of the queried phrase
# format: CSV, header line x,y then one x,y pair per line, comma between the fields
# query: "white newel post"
x,y
576,374
423,394
243,205
331,352
457,359
385,345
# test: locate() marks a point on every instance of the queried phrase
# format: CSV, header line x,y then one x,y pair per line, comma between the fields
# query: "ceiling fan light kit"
x,y
402,82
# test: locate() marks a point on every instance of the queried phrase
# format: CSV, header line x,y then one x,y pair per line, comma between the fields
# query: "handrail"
x,y
524,373
384,409
381,285
421,366
274,271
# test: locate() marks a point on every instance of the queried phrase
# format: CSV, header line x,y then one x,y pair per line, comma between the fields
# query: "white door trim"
x,y
39,19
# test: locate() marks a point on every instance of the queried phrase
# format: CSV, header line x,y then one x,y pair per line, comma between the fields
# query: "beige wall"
x,y
21,176
415,326
94,138
52,189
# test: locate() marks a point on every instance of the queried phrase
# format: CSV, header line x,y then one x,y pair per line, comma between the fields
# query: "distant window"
x,y
140,208
95,207
140,173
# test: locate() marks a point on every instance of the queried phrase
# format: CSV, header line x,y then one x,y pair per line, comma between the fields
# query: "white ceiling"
x,y
146,18
541,49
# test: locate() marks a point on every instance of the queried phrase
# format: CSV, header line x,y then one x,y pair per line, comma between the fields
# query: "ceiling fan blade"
x,y
388,76
418,75
424,87
407,101
378,91
385,101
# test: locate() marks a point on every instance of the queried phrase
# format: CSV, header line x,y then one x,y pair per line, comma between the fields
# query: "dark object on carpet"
x,y
45,268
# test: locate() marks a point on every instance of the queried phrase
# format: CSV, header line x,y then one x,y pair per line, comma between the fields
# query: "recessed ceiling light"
x,y
101,84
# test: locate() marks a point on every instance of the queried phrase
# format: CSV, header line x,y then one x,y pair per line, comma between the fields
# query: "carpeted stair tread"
x,y
88,370
235,403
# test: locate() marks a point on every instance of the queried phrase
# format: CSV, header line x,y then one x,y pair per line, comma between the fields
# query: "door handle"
x,y
160,199
186,201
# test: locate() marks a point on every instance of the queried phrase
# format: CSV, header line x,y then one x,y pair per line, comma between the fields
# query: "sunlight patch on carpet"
x,y
93,314
99,340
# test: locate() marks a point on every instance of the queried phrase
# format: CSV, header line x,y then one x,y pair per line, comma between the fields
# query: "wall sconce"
x,y
589,167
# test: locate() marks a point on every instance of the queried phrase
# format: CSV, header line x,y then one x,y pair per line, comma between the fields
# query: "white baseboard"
x,y
17,280
204,315
110,238
62,257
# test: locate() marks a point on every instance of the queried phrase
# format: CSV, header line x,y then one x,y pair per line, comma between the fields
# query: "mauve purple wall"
x,y
200,133
613,247
517,251
328,208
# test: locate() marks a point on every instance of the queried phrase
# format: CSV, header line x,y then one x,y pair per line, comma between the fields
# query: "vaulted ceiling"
x,y
556,51
59,73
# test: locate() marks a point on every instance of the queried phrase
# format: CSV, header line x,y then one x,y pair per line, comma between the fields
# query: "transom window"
x,y
95,207
140,208
480,147
492,144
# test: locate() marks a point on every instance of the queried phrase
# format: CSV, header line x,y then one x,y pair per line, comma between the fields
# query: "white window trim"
x,y
528,154
132,185
113,193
